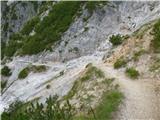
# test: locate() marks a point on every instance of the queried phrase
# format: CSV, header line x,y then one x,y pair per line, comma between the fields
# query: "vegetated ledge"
x,y
33,68
94,96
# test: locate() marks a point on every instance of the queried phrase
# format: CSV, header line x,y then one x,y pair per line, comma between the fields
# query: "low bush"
x,y
3,84
29,26
120,63
6,71
116,39
39,68
16,36
29,111
109,104
91,73
23,73
12,47
132,73
156,39
3,46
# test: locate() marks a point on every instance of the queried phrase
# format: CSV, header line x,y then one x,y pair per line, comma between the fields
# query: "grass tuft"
x,y
120,63
132,73
156,39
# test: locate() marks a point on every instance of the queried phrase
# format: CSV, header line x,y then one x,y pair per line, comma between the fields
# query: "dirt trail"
x,y
141,101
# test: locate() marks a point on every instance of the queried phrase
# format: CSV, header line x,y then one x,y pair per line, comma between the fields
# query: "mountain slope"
x,y
87,41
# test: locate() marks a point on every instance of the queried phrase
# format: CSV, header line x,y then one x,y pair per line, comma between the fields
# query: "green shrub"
x,y
86,29
50,29
6,71
116,39
156,39
33,45
39,68
91,73
12,47
23,73
120,63
3,46
132,73
29,26
29,111
44,6
109,104
16,36
33,68
3,84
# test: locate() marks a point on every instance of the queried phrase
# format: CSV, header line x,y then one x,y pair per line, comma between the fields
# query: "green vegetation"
x,y
3,45
120,63
156,39
86,29
47,32
156,65
116,39
29,111
3,84
35,4
137,55
44,6
52,27
29,26
6,71
23,73
39,68
12,47
109,104
132,73
14,43
53,110
91,73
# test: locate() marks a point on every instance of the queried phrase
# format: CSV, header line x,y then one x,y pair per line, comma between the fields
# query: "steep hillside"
x,y
102,60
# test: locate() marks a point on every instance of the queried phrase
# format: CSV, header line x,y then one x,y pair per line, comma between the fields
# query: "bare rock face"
x,y
14,15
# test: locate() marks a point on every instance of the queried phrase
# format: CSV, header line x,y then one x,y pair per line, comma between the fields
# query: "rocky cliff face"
x,y
86,41
84,37
15,15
